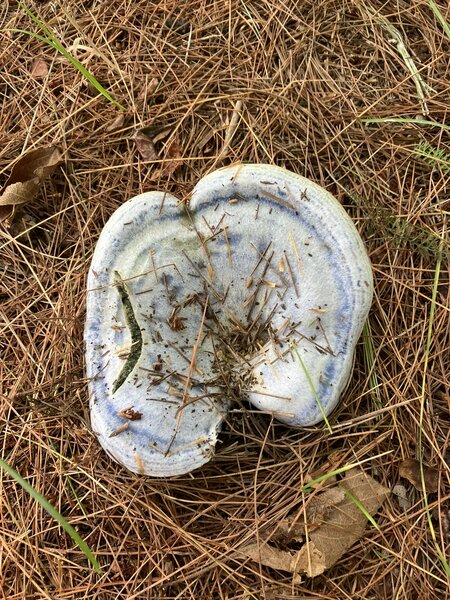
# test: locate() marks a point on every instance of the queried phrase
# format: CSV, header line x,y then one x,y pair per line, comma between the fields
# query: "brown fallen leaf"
x,y
346,522
172,160
333,524
39,68
317,509
145,145
318,512
117,123
399,491
307,560
26,178
410,469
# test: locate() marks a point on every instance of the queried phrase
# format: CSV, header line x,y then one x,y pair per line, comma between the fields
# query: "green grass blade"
x,y
75,495
97,85
358,504
437,271
309,486
405,120
440,17
50,39
435,157
31,34
40,499
38,22
311,385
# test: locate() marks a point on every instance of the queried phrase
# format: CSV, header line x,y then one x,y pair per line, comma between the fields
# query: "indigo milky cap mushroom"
x,y
257,289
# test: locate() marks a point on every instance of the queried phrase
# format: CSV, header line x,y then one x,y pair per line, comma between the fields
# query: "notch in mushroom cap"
x,y
259,289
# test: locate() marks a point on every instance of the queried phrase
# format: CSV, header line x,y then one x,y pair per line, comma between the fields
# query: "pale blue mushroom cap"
x,y
260,289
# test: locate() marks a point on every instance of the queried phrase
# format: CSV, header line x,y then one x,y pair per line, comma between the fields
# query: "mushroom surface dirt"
x,y
257,289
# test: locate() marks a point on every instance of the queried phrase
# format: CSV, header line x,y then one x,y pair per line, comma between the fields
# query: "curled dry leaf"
x,y
410,469
39,68
307,560
331,523
346,523
145,145
153,84
399,491
116,124
145,140
26,178
171,162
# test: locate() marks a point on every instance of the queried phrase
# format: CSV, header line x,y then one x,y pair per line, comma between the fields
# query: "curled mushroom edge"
x,y
256,289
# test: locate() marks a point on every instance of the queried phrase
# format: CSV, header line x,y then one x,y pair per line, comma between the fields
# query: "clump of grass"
x,y
399,232
435,157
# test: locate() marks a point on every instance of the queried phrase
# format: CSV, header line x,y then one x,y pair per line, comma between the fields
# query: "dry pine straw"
x,y
304,72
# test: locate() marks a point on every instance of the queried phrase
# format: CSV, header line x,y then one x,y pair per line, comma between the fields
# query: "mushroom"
x,y
257,289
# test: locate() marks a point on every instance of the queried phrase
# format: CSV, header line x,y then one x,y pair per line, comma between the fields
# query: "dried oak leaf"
x,y
346,522
26,178
307,560
333,524
410,469
317,509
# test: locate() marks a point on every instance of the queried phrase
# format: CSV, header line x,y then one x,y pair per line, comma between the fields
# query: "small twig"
x,y
188,379
231,130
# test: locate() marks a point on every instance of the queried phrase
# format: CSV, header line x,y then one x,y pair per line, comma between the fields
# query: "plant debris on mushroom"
x,y
256,289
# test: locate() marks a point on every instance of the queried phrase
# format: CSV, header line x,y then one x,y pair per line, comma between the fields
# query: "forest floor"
x,y
353,94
